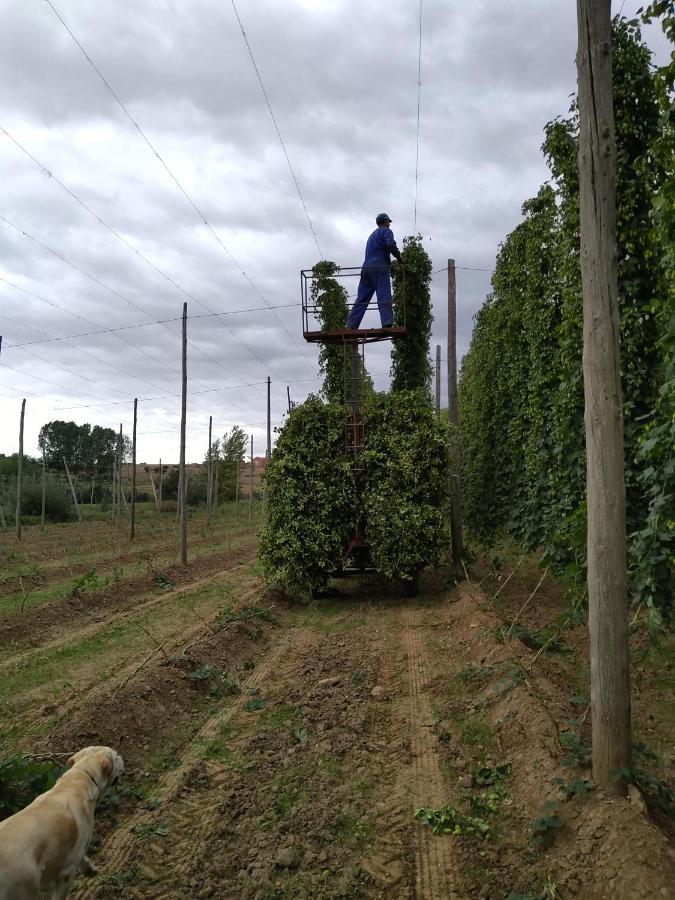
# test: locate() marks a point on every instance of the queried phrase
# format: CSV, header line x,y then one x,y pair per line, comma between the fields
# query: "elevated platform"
x,y
355,335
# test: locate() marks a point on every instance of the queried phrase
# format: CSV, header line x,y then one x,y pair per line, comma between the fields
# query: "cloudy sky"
x,y
99,233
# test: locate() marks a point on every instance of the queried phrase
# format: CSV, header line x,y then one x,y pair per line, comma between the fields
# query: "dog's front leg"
x,y
87,867
62,887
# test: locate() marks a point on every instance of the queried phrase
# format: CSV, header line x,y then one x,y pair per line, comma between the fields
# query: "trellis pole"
x,y
438,379
250,485
182,489
19,468
159,502
456,530
72,491
236,491
44,492
209,473
603,406
132,499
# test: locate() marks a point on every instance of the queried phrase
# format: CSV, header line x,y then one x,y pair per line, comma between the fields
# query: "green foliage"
x,y
546,825
220,683
521,390
576,752
8,465
21,780
410,365
450,820
312,492
84,448
311,498
407,479
58,500
332,301
575,787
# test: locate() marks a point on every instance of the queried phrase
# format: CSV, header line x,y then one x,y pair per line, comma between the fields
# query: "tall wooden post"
x,y
456,531
183,417
120,489
44,491
288,394
209,473
236,491
19,467
603,416
216,471
250,484
132,500
159,502
269,419
438,379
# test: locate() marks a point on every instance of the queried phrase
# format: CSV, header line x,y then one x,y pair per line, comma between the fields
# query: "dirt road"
x,y
350,716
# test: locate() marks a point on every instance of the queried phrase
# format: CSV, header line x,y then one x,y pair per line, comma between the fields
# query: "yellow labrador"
x,y
45,844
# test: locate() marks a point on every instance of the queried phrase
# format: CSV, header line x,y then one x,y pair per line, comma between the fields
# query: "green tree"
x,y
232,451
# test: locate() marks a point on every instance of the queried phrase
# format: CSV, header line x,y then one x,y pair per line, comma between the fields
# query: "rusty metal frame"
x,y
310,312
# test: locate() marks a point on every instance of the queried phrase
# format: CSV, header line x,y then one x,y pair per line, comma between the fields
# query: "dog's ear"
x,y
106,766
71,762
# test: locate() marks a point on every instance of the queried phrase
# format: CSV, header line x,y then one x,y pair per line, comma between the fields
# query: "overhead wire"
x,y
117,328
114,293
175,180
276,127
46,171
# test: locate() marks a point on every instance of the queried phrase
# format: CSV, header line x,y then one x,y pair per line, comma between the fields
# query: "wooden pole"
x,y
120,447
159,502
288,394
456,531
250,484
114,489
154,490
19,468
2,517
236,491
209,473
268,453
183,418
44,492
72,491
132,499
215,485
603,415
438,379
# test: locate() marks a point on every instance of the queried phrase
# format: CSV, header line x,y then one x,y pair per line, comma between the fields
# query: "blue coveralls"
x,y
375,278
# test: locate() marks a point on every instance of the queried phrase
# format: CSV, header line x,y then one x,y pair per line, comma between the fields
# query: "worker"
x,y
375,274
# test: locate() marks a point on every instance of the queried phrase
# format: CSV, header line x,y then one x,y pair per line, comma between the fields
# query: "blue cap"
x,y
382,218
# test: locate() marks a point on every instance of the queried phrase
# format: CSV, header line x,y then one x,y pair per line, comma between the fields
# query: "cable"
x,y
419,97
116,294
464,268
131,247
281,140
69,337
177,182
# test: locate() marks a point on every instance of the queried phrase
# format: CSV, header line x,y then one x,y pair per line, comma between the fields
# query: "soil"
x,y
284,751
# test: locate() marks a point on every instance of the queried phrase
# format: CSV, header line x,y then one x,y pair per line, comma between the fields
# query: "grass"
x,y
111,646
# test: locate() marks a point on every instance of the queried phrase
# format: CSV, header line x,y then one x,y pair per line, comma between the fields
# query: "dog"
x,y
45,844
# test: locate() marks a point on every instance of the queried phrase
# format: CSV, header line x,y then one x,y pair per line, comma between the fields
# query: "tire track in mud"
x,y
434,862
193,822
